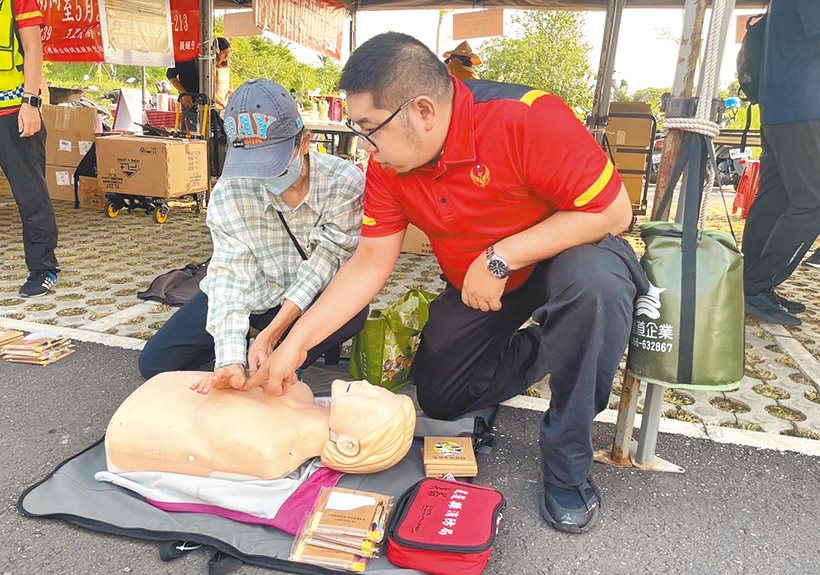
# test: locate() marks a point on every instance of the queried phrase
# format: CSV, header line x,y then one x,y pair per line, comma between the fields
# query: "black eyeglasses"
x,y
366,135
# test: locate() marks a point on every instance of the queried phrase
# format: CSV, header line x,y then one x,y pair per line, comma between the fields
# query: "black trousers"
x,y
784,220
23,160
184,344
582,301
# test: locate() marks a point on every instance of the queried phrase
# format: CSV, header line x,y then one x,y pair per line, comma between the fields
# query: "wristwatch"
x,y
497,265
32,100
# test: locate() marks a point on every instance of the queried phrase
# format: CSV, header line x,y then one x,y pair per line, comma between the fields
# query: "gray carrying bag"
x,y
71,494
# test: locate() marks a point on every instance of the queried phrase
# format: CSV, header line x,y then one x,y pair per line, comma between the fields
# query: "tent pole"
x,y
603,87
683,88
352,30
206,47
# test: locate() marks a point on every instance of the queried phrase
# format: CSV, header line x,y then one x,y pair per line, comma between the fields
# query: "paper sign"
x,y
348,501
65,145
63,178
84,146
478,24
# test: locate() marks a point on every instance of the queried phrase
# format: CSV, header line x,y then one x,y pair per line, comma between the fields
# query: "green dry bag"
x,y
688,330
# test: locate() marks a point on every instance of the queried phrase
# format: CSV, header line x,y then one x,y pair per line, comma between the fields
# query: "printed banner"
x,y
185,27
316,24
72,31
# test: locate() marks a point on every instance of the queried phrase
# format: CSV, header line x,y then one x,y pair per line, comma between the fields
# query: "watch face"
x,y
498,268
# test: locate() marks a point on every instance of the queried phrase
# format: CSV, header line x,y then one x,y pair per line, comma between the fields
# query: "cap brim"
x,y
263,162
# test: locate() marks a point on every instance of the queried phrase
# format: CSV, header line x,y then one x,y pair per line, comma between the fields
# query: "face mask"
x,y
278,185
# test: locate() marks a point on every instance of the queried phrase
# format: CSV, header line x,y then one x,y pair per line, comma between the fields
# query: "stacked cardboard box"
x,y
151,166
631,142
71,131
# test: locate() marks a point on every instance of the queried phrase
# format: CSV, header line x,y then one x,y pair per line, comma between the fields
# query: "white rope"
x,y
706,127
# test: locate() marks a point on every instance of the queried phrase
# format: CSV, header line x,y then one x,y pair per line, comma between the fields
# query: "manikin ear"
x,y
347,445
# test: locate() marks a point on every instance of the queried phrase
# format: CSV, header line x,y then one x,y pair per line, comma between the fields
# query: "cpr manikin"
x,y
163,426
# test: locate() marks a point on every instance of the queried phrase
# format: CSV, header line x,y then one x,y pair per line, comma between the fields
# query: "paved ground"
x,y
737,509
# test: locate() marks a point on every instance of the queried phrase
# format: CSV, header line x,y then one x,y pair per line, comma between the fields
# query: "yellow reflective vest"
x,y
11,59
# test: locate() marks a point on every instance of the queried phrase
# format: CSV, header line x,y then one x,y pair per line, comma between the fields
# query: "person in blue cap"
x,y
283,220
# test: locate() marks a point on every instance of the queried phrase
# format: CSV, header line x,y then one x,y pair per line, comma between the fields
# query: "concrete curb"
x,y
711,432
75,334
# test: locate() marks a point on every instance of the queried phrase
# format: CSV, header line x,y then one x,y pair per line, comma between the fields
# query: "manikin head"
x,y
410,84
371,428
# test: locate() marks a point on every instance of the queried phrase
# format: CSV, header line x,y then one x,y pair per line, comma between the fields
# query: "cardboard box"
x,y
60,182
630,132
71,131
630,158
634,187
91,195
151,166
416,242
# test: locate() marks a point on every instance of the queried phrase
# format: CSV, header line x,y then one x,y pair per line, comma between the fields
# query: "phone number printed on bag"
x,y
453,510
650,336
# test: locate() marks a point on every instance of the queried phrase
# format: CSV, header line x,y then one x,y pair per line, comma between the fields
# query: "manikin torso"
x,y
164,426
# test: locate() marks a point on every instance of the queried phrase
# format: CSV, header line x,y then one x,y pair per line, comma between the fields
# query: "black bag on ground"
x,y
176,287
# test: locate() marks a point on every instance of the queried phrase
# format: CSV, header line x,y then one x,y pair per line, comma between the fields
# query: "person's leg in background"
x,y
341,335
182,343
23,161
795,149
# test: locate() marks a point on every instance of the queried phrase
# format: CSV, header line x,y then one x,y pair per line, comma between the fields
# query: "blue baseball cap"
x,y
261,121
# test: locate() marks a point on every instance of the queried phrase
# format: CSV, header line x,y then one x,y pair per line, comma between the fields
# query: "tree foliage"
x,y
547,52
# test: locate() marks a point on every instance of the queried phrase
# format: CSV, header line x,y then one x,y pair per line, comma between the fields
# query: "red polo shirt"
x,y
512,157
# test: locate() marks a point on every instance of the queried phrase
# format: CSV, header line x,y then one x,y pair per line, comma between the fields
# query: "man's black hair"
x,y
393,67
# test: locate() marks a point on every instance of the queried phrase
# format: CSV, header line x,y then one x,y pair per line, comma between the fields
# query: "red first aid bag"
x,y
444,527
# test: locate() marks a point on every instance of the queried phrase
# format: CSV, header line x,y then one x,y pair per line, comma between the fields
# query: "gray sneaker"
x,y
38,283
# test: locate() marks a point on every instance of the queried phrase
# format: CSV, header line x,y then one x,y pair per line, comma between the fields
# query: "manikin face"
x,y
357,407
405,142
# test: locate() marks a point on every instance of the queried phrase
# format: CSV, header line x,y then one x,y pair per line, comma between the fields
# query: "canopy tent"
x,y
355,5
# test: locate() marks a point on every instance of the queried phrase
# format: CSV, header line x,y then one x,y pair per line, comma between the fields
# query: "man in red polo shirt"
x,y
521,207
23,140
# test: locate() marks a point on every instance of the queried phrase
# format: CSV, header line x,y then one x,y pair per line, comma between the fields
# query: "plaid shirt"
x,y
255,265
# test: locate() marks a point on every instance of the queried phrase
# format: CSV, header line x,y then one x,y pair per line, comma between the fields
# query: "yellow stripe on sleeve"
x,y
532,96
368,221
28,15
595,188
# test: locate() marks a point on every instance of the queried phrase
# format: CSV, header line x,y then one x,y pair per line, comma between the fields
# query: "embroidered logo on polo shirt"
x,y
480,175
368,221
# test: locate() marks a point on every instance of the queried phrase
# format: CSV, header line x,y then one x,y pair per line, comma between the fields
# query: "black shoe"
x,y
571,510
38,283
765,307
789,305
813,261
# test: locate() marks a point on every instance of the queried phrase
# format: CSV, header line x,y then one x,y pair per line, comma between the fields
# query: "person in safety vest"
x,y
23,140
